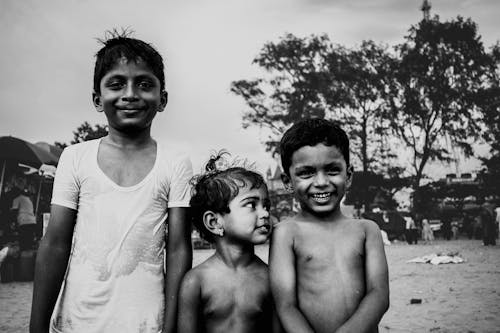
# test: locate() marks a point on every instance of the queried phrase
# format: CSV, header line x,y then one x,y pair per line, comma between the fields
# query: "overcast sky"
x,y
47,57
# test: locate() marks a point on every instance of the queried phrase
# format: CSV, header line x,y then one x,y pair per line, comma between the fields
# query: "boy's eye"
x,y
250,204
114,85
305,173
146,85
333,171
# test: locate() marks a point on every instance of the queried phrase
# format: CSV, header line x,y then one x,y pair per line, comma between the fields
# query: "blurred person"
x,y
488,223
22,209
427,234
446,227
468,225
497,219
454,229
411,231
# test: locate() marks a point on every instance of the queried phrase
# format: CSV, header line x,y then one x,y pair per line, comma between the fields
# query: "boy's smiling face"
x,y
319,178
130,96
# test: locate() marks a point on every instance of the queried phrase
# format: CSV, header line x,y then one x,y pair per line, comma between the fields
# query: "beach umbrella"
x,y
24,152
54,150
20,151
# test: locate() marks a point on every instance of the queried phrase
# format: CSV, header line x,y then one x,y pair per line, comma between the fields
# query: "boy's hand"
x,y
51,263
189,298
179,258
376,301
283,283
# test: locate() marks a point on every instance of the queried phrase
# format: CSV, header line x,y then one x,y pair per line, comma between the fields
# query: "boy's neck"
x,y
234,255
309,216
129,140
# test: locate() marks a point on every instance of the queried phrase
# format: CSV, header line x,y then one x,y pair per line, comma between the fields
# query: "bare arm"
x,y
179,257
276,324
283,283
189,300
51,263
376,301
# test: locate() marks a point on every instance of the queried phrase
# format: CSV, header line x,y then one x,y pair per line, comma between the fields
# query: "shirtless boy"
x,y
328,272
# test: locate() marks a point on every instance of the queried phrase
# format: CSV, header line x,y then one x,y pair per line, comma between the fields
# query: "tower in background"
x,y
426,9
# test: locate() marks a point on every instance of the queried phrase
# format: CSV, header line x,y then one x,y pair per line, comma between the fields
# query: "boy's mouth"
x,y
321,197
131,110
264,228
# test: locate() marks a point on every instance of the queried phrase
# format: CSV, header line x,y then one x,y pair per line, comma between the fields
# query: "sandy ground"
x,y
455,297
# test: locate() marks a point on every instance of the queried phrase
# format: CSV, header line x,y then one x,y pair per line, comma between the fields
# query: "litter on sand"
x,y
438,258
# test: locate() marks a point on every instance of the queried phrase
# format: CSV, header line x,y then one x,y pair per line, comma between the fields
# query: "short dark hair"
x,y
119,46
310,132
214,190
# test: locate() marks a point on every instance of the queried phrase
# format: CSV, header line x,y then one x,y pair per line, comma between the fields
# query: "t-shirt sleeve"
x,y
66,186
180,189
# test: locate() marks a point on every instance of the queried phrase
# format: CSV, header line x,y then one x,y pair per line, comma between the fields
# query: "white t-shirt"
x,y
410,224
115,277
25,210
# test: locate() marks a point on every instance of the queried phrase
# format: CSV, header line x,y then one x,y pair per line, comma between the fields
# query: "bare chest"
x,y
237,298
329,253
126,168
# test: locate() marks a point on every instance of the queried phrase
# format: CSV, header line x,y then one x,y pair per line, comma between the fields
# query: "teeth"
x,y
321,195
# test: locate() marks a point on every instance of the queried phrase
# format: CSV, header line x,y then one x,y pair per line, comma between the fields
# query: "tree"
x,y
86,132
362,75
296,71
435,95
312,77
491,171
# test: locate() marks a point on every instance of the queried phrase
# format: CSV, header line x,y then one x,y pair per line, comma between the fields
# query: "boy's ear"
x,y
96,99
212,223
350,173
287,182
163,101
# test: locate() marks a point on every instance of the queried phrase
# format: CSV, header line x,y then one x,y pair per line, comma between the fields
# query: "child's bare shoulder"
x,y
369,225
367,229
286,229
192,280
196,274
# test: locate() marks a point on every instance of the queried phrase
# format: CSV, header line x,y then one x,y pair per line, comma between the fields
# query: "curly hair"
x,y
214,190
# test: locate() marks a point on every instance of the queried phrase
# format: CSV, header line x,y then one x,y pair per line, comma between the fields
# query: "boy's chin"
x,y
131,128
322,211
260,242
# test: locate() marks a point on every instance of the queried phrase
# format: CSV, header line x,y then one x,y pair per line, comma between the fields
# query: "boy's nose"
x,y
264,213
130,93
321,179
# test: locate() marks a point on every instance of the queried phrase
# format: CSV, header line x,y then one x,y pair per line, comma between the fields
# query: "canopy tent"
x,y
21,151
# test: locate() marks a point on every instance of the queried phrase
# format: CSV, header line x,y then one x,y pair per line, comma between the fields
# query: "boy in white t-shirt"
x,y
100,265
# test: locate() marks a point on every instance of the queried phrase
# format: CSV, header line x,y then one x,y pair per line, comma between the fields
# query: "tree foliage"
x,y
86,132
312,77
433,96
440,77
293,88
491,171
